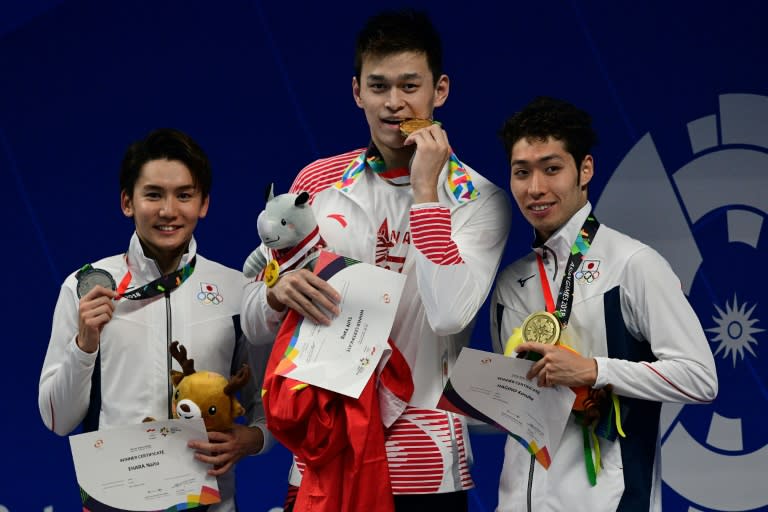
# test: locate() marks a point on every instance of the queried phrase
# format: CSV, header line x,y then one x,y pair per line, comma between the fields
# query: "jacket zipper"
x,y
168,341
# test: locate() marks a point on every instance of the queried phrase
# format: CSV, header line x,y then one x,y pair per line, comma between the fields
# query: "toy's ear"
x,y
237,408
176,377
269,192
302,199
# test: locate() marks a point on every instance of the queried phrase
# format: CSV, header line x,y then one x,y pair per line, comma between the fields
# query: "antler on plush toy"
x,y
288,231
207,395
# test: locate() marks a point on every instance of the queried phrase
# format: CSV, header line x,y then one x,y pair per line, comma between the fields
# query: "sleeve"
x,y
456,264
258,320
656,310
65,380
256,357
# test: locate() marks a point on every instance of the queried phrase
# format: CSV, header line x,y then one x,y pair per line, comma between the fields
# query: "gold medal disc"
x,y
271,273
541,327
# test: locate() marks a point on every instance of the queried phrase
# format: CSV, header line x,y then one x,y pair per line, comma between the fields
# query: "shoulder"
x,y
635,256
213,270
322,173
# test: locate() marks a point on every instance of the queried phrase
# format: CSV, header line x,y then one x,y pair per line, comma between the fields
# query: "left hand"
x,y
560,366
224,449
432,151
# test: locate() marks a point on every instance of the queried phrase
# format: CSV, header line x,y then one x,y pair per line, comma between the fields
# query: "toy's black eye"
x,y
176,395
212,410
283,222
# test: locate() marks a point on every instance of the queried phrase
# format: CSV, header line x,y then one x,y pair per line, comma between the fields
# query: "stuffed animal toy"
x,y
207,395
289,236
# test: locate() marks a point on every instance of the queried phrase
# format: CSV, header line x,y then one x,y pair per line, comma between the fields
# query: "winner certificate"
x,y
144,467
342,356
493,388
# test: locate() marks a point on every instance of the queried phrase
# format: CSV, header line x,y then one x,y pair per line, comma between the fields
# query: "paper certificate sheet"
x,y
341,357
493,388
143,467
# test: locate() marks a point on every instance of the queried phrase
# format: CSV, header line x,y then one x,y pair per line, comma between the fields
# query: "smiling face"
x,y
392,88
547,184
165,206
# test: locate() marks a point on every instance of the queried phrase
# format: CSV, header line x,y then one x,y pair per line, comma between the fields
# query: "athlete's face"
x,y
547,184
165,205
393,88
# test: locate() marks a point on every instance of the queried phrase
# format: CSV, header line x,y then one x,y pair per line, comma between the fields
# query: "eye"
x,y
176,395
283,222
212,410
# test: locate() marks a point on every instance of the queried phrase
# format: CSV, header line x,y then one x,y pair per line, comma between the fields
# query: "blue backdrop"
x,y
679,95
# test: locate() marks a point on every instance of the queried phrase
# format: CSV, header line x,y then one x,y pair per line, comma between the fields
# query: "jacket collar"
x,y
562,240
455,181
144,269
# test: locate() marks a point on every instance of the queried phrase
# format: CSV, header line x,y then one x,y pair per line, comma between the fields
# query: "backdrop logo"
x,y
708,220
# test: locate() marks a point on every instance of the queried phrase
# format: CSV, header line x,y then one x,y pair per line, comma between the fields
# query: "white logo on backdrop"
x,y
706,219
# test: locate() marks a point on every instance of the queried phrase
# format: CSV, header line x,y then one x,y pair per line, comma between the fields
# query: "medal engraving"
x,y
541,327
88,279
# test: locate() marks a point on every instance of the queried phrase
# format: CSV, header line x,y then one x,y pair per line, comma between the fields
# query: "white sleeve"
x,y
453,293
65,380
656,310
258,320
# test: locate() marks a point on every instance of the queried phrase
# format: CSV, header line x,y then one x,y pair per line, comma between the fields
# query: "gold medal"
x,y
271,273
541,327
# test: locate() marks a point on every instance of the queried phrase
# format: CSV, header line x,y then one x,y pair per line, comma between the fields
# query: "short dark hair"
x,y
391,32
166,144
546,117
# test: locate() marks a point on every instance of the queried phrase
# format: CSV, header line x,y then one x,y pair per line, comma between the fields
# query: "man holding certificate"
x,y
405,202
599,312
108,362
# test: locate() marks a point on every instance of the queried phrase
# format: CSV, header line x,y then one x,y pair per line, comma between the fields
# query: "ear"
x,y
176,377
442,87
302,199
237,409
356,92
204,207
587,171
126,204
269,192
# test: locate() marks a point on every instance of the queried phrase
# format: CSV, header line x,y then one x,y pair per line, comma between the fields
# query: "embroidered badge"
x,y
587,272
209,294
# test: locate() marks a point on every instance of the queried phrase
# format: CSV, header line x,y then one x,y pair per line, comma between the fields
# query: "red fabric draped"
x,y
340,439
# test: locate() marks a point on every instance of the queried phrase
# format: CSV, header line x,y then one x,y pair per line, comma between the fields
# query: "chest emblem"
x,y
209,294
587,271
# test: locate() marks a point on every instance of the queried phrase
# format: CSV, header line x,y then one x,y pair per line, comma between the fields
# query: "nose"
x,y
537,184
168,207
394,100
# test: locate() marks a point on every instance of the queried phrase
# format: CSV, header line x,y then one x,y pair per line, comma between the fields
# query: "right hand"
x,y
96,308
306,294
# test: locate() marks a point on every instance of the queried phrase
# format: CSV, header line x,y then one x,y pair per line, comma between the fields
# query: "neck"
x,y
397,158
167,262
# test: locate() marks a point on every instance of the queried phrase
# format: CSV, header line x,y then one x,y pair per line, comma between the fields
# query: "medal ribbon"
x,y
161,285
562,310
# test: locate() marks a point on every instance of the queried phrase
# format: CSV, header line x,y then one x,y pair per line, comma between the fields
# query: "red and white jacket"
x,y
450,251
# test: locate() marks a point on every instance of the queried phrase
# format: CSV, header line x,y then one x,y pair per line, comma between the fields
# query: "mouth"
x,y
540,208
164,228
392,122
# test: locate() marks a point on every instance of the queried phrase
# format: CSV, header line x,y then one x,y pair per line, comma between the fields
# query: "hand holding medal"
x,y
96,289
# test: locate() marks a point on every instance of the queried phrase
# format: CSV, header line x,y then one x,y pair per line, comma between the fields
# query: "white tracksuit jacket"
x,y
631,315
202,314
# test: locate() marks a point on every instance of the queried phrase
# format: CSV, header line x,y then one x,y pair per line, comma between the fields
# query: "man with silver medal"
x,y
108,361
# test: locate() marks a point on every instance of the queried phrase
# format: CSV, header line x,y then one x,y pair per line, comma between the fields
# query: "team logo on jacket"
x,y
209,294
587,271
